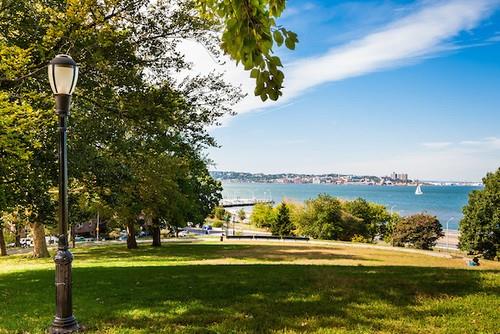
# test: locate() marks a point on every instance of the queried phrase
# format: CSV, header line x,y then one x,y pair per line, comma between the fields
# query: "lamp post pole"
x,y
64,322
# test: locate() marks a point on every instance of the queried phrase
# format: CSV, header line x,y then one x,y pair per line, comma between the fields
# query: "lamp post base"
x,y
64,326
64,321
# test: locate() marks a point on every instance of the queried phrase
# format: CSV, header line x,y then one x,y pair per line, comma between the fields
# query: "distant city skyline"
x,y
404,177
374,87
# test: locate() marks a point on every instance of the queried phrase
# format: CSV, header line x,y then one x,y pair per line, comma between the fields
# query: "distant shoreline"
x,y
472,184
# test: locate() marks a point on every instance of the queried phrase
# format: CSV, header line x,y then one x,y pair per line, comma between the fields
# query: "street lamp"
x,y
63,74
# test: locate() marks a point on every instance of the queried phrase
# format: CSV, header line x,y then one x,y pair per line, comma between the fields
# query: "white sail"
x,y
418,191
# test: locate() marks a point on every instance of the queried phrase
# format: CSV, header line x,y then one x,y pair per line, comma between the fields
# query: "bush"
x,y
418,231
242,215
480,226
262,215
359,238
219,213
217,223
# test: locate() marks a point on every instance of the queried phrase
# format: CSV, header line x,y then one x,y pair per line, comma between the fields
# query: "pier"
x,y
227,203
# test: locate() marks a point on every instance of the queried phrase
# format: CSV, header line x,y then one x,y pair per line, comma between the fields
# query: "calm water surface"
x,y
444,202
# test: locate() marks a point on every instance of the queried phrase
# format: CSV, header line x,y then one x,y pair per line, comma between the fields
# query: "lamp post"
x,y
63,74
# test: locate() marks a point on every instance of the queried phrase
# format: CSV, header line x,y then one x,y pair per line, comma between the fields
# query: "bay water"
x,y
445,202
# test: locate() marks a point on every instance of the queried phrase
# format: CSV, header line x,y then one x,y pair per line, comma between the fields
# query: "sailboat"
x,y
418,191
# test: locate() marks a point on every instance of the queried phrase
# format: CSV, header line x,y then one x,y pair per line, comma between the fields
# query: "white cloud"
x,y
437,145
465,160
488,144
425,33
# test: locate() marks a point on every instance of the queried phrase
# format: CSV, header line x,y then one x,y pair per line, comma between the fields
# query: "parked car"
x,y
123,238
26,242
12,244
89,239
79,238
51,240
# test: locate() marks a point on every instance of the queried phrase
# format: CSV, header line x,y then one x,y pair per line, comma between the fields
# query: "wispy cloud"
x,y
488,143
427,31
463,160
421,34
484,144
437,145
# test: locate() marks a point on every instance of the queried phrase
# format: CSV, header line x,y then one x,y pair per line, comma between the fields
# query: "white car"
x,y
26,242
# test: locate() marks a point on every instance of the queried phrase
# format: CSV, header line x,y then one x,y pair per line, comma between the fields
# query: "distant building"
x,y
403,177
399,177
89,229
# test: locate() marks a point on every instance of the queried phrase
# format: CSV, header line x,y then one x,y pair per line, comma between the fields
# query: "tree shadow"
x,y
255,298
198,252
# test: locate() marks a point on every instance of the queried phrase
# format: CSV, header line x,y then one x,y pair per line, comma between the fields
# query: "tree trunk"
x,y
39,244
73,241
155,230
3,249
17,236
131,242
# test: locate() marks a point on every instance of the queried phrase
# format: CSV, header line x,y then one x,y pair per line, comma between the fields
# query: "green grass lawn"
x,y
255,288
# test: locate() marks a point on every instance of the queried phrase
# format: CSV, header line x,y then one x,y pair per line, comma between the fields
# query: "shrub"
x,y
242,215
359,238
219,212
417,231
217,223
262,215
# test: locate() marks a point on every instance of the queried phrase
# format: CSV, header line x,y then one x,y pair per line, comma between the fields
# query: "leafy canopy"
x,y
480,226
249,33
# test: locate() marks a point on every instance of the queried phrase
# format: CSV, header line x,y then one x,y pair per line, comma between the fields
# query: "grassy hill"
x,y
255,288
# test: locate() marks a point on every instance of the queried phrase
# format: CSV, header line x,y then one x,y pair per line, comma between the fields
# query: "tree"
x,y
129,104
480,226
374,217
324,218
3,248
282,224
219,212
418,231
242,214
262,215
388,228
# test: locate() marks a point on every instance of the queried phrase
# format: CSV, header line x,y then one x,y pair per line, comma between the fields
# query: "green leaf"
x,y
278,37
254,73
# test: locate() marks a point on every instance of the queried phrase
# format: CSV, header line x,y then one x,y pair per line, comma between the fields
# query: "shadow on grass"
x,y
197,252
256,299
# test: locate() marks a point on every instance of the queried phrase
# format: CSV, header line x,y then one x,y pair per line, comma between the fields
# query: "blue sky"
x,y
376,87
